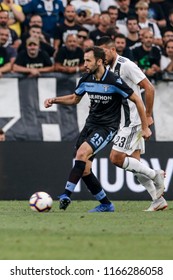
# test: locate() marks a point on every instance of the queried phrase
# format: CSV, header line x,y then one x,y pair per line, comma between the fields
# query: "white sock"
x,y
148,184
134,165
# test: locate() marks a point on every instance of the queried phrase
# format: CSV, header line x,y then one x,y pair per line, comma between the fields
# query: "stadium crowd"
x,y
42,36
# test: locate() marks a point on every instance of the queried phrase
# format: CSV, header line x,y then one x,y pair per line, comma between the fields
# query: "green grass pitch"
x,y
75,234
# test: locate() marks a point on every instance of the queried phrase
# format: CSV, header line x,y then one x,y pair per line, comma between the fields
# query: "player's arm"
x,y
146,132
64,100
149,99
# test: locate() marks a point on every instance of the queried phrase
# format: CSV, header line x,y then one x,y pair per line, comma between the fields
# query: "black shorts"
x,y
97,137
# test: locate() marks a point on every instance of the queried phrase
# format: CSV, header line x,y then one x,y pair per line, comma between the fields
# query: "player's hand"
x,y
146,133
48,102
150,121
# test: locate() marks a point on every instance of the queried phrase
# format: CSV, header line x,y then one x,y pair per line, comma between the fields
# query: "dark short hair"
x,y
131,18
98,52
112,7
35,15
104,40
120,35
166,30
83,29
35,26
111,32
171,40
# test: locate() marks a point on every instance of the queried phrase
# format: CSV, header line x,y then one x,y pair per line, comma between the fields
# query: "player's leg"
x,y
144,180
84,151
128,142
97,191
99,140
155,191
76,172
95,140
148,177
158,202
125,143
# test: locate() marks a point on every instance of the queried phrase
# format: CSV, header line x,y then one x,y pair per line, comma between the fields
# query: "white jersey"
x,y
164,62
132,75
153,27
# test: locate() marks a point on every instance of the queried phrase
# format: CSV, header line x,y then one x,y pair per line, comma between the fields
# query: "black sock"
x,y
95,187
75,175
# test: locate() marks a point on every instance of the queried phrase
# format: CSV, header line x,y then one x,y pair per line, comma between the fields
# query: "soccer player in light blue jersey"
x,y
106,92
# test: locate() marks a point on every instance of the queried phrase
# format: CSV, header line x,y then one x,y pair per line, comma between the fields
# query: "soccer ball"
x,y
41,202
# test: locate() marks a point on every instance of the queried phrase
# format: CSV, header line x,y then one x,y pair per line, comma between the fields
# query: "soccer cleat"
x,y
159,182
157,204
64,201
103,208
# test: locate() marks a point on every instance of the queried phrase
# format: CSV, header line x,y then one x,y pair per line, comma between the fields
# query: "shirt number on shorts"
x,y
97,139
120,141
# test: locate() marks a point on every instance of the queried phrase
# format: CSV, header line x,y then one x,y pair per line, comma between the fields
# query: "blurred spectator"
x,y
82,35
16,15
80,19
111,32
121,49
166,62
13,38
51,12
2,135
169,23
69,58
5,65
113,13
88,43
69,26
155,14
104,24
133,31
147,56
36,32
24,24
142,13
141,33
33,61
36,20
11,52
88,13
124,10
167,35
115,23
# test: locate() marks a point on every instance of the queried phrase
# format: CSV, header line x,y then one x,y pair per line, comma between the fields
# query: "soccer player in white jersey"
x,y
128,140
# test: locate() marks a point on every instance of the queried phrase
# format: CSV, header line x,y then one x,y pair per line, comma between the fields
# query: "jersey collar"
x,y
104,75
